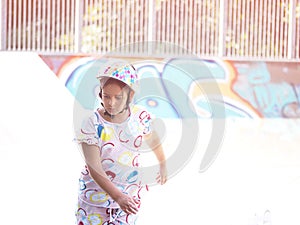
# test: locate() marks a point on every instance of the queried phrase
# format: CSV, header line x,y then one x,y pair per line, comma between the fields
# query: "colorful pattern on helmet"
x,y
122,72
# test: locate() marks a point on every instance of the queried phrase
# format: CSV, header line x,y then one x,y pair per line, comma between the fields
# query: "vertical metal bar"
x,y
167,27
208,27
9,28
176,28
144,24
239,24
58,20
268,30
249,28
14,26
24,16
39,20
118,24
297,36
291,28
163,21
133,27
222,20
215,26
181,25
115,35
172,28
102,24
229,29
242,37
185,27
29,24
214,50
281,45
67,31
127,23
95,9
255,28
95,44
273,21
158,21
194,28
111,26
198,28
172,22
143,21
62,34
48,36
143,15
3,28
168,19
139,28
109,32
43,21
207,33
190,26
247,34
285,37
34,24
78,16
72,25
138,31
131,14
234,27
53,26
264,29
277,31
123,40
287,28
19,25
260,33
157,28
238,28
203,28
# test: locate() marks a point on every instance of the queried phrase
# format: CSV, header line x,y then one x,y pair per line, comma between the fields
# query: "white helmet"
x,y
119,70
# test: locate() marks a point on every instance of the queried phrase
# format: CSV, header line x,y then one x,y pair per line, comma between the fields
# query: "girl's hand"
x,y
162,174
128,204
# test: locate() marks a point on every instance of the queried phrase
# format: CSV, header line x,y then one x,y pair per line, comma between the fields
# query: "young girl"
x,y
110,184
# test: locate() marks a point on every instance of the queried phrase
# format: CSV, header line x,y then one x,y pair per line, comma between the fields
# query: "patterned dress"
x,y
119,146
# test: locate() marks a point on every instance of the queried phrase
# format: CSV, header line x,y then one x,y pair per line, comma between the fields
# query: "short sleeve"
x,y
88,132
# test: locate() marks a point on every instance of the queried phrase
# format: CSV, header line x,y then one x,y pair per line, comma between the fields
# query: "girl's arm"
x,y
93,162
153,141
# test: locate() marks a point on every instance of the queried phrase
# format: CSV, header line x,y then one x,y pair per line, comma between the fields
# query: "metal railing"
x,y
238,29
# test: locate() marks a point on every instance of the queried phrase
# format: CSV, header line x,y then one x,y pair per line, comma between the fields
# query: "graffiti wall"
x,y
183,87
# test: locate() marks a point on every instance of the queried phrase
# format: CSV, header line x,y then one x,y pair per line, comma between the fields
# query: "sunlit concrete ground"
x,y
256,173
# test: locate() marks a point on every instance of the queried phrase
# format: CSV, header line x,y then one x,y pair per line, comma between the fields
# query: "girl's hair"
x,y
119,83
109,80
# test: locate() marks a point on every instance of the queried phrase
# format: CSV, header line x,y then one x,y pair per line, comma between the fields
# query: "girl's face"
x,y
114,97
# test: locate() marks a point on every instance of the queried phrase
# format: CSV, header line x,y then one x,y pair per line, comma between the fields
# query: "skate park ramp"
x,y
254,180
